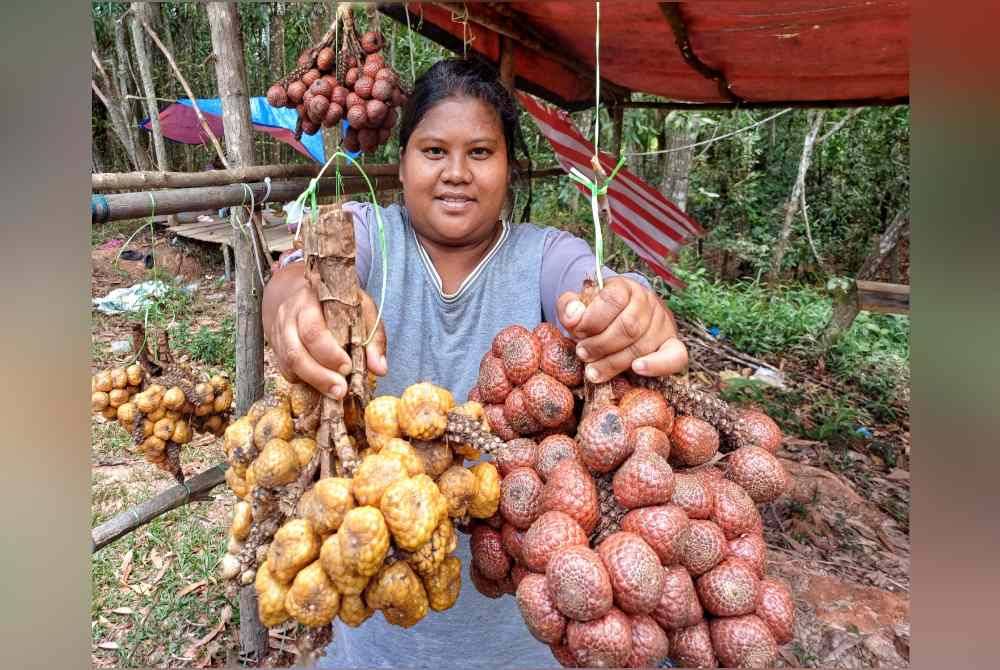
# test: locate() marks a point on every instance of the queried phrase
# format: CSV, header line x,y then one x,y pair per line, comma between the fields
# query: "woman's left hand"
x,y
626,325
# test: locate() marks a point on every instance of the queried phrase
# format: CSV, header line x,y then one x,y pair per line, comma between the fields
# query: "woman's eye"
x,y
434,152
481,152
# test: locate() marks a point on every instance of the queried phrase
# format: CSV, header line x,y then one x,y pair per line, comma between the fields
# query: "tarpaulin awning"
x,y
748,53
180,123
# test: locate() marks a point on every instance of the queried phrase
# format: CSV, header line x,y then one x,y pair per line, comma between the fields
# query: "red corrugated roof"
x,y
769,51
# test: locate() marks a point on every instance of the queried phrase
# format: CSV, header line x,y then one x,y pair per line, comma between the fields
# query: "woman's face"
x,y
454,172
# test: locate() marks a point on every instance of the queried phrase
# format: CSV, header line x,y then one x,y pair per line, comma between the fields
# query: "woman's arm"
x,y
625,326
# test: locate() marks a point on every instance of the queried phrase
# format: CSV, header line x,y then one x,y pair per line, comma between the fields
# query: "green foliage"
x,y
872,356
212,346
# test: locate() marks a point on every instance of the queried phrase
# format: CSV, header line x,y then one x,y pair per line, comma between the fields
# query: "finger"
x,y
375,351
304,367
670,358
319,342
601,312
606,367
569,309
626,329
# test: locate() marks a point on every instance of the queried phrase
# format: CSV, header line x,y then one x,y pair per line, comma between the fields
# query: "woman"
x,y
458,273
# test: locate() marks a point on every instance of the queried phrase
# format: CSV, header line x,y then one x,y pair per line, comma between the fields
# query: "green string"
x,y
310,193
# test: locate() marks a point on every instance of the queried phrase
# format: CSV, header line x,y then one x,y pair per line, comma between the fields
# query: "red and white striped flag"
x,y
651,225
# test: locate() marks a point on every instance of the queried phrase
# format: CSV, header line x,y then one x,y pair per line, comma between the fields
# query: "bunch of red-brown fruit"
x,y
368,97
630,542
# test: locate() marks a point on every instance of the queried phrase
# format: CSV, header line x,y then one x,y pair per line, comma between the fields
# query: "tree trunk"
x,y
123,68
677,164
230,71
792,206
845,293
114,113
167,35
276,49
143,11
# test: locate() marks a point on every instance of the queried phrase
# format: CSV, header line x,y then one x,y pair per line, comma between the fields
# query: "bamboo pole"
x,y
141,204
123,181
124,523
138,11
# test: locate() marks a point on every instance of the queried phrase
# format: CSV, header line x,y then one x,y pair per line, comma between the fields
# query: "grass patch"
x,y
873,355
212,346
99,234
154,624
109,440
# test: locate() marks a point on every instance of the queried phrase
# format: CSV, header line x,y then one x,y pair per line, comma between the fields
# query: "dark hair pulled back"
x,y
474,78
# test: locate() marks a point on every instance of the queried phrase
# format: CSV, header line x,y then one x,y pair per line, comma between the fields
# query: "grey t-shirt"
x,y
441,338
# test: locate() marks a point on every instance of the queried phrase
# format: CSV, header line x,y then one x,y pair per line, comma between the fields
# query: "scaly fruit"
x,y
734,510
679,606
552,450
538,610
551,532
548,401
521,497
645,407
776,608
493,384
694,495
603,439
487,553
729,589
515,411
605,642
519,351
760,474
571,489
691,647
663,527
635,572
513,541
653,439
752,549
693,441
704,546
522,452
497,423
579,584
743,642
759,429
649,643
643,479
559,359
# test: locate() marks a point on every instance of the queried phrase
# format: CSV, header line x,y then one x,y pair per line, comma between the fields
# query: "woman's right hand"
x,y
305,349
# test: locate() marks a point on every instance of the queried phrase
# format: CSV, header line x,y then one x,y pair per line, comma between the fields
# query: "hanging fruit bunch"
x,y
355,84
379,540
160,402
628,539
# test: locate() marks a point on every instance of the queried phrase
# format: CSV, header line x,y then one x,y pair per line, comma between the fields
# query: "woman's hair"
x,y
474,78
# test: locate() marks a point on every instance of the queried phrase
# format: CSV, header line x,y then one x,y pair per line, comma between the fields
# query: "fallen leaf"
x,y
123,610
142,588
112,646
227,612
126,568
164,566
191,587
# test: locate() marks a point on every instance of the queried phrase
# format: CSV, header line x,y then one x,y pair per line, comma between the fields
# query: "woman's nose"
x,y
456,170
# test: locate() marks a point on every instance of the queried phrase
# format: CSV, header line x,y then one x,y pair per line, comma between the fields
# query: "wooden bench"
x,y
875,296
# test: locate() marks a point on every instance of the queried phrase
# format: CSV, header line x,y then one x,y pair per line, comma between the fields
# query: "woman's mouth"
x,y
456,202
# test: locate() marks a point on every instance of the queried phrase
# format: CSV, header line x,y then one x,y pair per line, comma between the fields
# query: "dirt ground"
x,y
840,538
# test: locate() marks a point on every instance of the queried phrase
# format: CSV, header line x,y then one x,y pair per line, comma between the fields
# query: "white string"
x,y
267,182
715,139
249,230
409,37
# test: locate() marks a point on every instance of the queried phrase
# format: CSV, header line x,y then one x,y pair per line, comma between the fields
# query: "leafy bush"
x,y
214,347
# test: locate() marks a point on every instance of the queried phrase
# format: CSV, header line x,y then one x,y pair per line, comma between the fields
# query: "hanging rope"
x,y
714,139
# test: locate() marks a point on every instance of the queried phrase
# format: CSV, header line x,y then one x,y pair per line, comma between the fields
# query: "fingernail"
x,y
383,363
592,374
582,353
345,369
575,309
336,392
639,365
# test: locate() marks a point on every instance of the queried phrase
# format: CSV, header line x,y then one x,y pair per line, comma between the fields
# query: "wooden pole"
x,y
141,204
230,71
124,523
126,181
